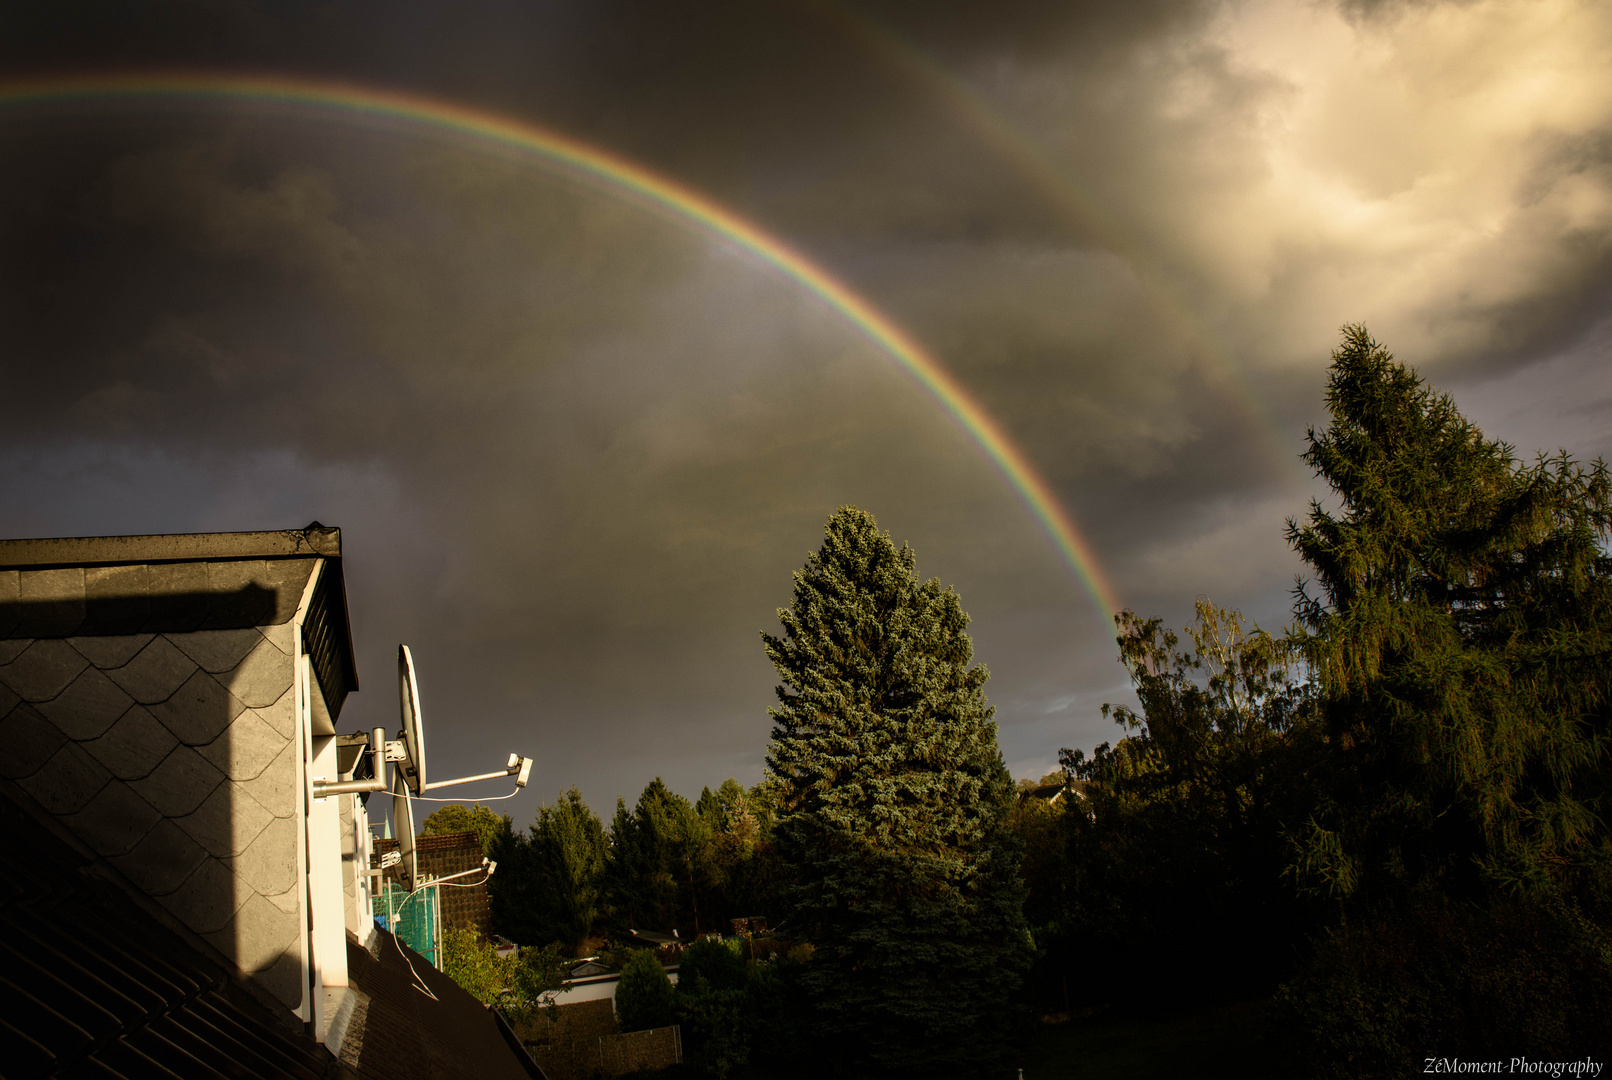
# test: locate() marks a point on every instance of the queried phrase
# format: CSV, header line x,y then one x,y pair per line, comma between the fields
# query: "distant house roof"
x,y
102,585
656,939
589,968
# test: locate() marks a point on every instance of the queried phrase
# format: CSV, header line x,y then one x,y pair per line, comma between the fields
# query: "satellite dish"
x,y
408,694
403,826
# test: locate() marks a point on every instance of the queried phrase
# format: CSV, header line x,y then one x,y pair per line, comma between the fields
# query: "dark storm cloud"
x,y
577,449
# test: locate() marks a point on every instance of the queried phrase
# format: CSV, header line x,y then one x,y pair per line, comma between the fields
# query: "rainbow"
x,y
376,106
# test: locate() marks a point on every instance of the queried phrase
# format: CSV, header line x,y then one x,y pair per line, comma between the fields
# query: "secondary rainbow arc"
x,y
556,148
1063,191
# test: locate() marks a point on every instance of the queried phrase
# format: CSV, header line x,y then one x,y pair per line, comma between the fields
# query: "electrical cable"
x,y
491,798
419,982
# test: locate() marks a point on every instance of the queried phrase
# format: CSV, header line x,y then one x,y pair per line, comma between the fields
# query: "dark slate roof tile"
x,y
288,577
161,861
22,1054
89,705
68,781
112,651
114,821
406,1033
178,595
43,670
29,740
200,710
134,745
240,594
218,650
180,783
155,672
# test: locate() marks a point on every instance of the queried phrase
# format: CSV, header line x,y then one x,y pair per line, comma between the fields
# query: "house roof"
x,y
94,984
400,1030
656,939
93,980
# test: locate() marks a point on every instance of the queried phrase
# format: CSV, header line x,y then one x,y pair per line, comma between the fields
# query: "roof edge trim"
x,y
174,547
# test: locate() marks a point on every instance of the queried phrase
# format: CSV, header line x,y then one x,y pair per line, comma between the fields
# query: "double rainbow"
x,y
366,105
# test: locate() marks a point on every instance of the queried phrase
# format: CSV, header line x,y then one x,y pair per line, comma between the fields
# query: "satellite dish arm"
x,y
518,767
377,759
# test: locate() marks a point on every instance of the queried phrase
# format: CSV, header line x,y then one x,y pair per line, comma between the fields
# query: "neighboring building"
x,y
168,706
463,904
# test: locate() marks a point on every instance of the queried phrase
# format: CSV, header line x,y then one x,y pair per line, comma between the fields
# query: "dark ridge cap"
x,y
316,539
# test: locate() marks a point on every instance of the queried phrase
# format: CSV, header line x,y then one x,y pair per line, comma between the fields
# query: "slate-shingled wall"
x,y
151,709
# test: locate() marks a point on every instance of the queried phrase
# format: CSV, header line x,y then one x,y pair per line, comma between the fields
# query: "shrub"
x,y
715,961
1437,976
644,996
514,983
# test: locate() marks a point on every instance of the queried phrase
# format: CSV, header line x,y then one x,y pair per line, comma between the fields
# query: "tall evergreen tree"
x,y
650,873
1462,637
893,815
568,851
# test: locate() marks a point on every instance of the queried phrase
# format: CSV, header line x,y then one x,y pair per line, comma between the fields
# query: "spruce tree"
x,y
893,814
650,870
568,849
1462,637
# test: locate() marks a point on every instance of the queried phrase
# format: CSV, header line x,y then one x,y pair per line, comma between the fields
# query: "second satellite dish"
x,y
408,694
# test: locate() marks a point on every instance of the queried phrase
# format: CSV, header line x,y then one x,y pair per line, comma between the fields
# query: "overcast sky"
x,y
576,447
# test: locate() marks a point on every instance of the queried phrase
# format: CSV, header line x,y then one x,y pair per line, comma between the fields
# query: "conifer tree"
x,y
568,850
1462,638
650,871
893,813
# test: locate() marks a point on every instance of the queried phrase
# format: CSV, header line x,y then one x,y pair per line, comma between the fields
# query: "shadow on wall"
x,y
152,710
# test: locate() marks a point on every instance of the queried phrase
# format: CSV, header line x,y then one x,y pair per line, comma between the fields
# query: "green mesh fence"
x,y
412,917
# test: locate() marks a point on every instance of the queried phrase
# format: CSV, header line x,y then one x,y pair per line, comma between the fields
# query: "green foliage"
x,y
515,983
1463,635
644,997
549,885
650,870
712,1007
1514,978
893,806
736,867
494,828
568,852
1178,847
719,963
717,1028
742,1017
